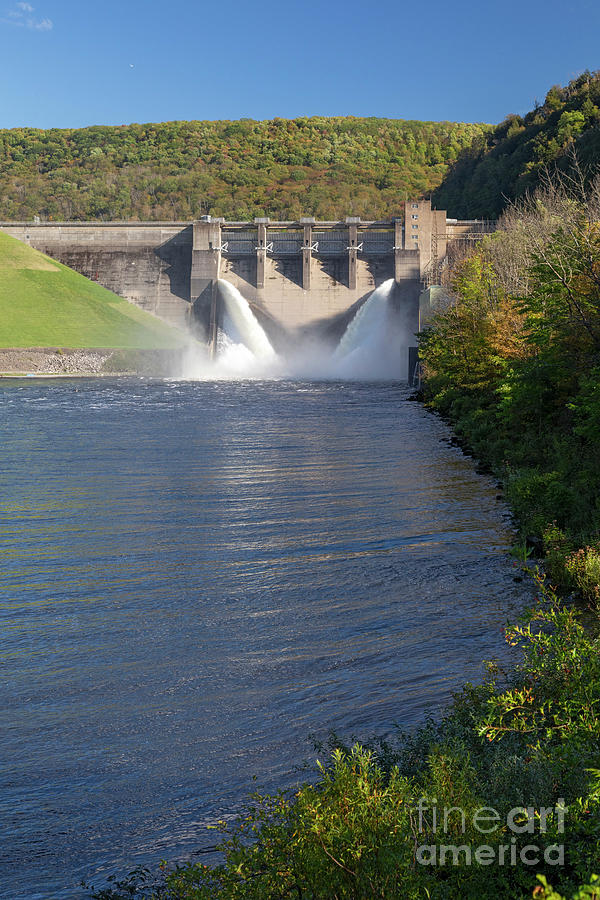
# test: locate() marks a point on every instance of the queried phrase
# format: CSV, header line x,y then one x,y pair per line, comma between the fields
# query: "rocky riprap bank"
x,y
54,361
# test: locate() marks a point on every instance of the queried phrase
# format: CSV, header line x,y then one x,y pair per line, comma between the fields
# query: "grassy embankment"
x,y
45,304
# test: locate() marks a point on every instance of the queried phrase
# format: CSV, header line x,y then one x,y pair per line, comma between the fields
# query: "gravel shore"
x,y
55,361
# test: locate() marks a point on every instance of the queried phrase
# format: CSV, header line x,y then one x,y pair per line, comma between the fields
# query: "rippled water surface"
x,y
197,576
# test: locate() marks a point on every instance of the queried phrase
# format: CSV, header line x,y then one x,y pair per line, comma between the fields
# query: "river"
x,y
196,577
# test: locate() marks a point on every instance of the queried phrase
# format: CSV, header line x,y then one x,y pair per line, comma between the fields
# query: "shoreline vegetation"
x,y
512,362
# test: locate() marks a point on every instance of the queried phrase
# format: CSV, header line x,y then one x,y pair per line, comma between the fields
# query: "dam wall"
x,y
297,275
298,289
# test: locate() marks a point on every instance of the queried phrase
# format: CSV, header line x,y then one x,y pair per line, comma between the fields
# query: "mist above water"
x,y
373,347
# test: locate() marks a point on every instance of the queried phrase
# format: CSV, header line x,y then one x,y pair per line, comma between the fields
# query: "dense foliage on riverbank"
x,y
505,162
323,166
514,363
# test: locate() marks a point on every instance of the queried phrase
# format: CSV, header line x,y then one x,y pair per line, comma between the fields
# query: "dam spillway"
x,y
372,347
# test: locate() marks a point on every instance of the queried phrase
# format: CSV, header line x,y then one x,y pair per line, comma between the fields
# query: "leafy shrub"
x,y
537,498
583,566
590,891
556,549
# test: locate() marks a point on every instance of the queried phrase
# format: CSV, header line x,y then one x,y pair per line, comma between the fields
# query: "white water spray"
x,y
240,322
368,350
243,349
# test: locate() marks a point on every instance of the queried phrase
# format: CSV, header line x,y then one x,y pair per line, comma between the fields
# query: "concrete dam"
x,y
299,278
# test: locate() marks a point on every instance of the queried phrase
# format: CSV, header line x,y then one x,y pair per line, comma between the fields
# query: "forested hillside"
x,y
284,168
326,167
510,160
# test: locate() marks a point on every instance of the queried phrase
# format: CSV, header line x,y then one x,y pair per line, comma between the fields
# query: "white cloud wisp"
x,y
23,16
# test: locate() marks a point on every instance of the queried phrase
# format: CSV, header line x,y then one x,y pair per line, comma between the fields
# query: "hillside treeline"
x,y
505,163
326,167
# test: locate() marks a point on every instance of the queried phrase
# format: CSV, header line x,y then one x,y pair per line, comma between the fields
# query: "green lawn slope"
x,y
46,304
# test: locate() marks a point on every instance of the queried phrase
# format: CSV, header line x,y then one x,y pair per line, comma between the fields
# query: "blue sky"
x,y
70,64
